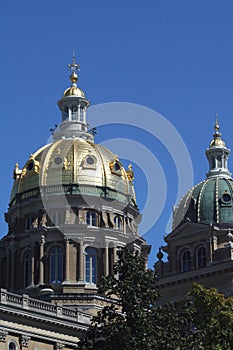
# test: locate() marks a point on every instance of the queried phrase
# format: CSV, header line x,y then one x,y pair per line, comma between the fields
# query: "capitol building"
x,y
72,207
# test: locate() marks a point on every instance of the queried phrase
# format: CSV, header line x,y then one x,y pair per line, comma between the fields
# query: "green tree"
x,y
134,320
212,316
127,323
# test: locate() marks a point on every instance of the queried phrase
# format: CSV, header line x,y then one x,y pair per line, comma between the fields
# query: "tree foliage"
x,y
212,316
134,320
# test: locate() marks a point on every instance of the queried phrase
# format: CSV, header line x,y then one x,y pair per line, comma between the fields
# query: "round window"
x,y
90,160
117,166
226,198
30,166
58,160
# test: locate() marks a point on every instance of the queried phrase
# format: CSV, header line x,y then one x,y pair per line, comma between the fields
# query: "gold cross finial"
x,y
74,66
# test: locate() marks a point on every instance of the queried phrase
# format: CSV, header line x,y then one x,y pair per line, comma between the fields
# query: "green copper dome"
x,y
210,201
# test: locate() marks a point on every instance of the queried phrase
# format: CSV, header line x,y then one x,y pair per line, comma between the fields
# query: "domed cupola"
x,y
217,155
73,106
210,201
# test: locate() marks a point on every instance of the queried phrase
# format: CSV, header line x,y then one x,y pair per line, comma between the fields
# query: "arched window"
x,y
201,257
12,346
56,265
117,223
219,159
29,223
212,162
27,267
91,265
91,218
81,114
186,261
74,112
56,219
66,113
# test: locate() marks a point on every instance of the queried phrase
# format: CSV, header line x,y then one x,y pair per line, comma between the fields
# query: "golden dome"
x,y
217,142
92,167
74,90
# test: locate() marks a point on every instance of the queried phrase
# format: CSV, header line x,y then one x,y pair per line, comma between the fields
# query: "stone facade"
x,y
32,324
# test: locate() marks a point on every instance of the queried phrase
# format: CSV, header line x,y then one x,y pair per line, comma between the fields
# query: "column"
x,y
114,257
32,265
8,269
67,270
12,282
42,243
106,261
81,261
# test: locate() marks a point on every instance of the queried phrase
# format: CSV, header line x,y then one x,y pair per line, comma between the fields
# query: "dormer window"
x,y
117,223
30,165
115,167
89,162
91,218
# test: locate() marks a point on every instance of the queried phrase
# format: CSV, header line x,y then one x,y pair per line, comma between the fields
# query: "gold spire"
x,y
217,141
216,126
74,66
73,90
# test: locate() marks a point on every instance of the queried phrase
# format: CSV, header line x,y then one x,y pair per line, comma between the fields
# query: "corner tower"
x,y
200,246
72,207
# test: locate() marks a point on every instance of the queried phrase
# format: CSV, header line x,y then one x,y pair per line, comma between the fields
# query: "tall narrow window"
x,y
91,265
81,114
91,218
29,223
66,113
219,159
186,261
74,112
27,265
117,222
56,265
201,257
12,346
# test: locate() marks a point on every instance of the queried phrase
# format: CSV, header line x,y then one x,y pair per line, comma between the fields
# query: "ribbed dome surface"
x,y
210,201
74,161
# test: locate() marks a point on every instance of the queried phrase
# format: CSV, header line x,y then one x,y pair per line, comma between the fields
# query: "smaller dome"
x,y
73,91
217,142
210,201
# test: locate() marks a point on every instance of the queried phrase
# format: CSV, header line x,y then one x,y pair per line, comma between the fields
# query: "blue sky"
x,y
175,57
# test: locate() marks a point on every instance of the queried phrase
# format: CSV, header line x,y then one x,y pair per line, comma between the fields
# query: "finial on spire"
x,y
74,66
216,126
